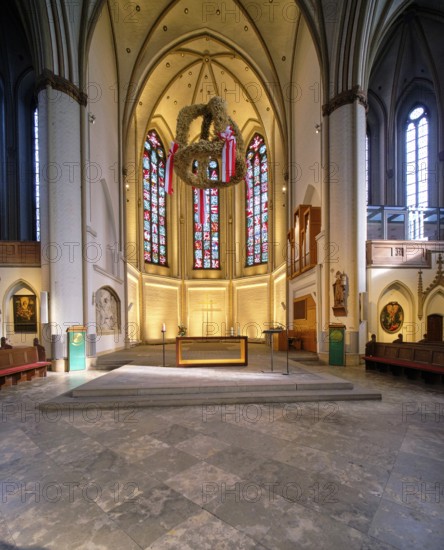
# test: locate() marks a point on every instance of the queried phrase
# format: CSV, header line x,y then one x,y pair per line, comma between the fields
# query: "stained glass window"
x,y
36,175
416,157
154,201
256,185
367,167
206,223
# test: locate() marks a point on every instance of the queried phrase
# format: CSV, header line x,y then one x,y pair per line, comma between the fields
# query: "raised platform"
x,y
154,386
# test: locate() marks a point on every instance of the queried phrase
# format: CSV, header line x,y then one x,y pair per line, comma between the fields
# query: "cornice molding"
x,y
61,84
345,98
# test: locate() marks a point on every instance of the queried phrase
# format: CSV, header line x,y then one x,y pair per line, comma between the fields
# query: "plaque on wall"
x,y
392,317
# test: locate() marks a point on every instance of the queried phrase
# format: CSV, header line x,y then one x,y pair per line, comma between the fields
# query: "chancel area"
x,y
204,169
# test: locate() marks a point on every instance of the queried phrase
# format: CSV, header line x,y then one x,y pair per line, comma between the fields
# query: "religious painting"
x,y
392,317
25,314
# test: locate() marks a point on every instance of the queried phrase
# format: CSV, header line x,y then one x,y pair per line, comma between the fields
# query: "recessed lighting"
x,y
128,50
165,28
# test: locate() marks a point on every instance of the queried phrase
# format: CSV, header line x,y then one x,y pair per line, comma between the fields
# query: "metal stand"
x,y
270,333
288,345
163,348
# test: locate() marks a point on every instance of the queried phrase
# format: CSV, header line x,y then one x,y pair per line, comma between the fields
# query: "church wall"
x,y
400,285
132,181
306,168
252,299
103,216
207,308
161,305
279,296
134,305
278,200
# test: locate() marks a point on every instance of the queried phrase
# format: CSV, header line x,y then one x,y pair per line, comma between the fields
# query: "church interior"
x,y
333,232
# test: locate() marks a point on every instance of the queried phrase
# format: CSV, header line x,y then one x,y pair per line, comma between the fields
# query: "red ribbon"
x,y
202,206
169,168
228,154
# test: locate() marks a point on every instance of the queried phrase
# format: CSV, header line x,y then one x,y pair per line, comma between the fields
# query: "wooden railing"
x,y
20,253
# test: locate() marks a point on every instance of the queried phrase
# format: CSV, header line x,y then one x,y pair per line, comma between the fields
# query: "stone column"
x,y
346,214
61,215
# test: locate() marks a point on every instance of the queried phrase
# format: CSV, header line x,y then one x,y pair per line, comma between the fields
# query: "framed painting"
x,y
392,317
25,313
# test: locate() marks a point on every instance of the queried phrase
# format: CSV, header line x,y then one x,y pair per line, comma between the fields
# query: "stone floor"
x,y
321,475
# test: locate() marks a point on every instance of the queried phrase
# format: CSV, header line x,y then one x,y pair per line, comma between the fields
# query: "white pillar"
x,y
61,211
347,218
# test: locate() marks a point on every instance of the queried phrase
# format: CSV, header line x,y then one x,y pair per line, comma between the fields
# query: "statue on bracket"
x,y
339,293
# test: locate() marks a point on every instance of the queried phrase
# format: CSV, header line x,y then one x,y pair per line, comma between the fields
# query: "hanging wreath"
x,y
220,140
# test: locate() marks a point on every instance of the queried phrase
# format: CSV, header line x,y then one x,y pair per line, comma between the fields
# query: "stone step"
x,y
212,398
225,388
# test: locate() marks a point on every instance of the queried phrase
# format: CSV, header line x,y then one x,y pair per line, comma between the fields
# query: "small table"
x,y
211,351
269,332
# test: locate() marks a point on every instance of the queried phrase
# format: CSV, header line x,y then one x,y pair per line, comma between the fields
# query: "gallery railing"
x,y
403,223
20,253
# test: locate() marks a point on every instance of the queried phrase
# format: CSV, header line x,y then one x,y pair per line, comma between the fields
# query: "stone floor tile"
x,y
206,532
152,514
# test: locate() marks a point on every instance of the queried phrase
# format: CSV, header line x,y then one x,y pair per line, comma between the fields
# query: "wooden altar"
x,y
212,351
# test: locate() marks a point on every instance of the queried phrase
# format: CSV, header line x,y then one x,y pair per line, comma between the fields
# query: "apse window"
x,y
206,226
154,201
256,208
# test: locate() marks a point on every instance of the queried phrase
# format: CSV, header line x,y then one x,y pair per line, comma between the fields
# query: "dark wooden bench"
x,y
21,364
412,359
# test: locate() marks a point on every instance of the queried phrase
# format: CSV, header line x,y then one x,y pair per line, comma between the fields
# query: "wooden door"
x,y
434,328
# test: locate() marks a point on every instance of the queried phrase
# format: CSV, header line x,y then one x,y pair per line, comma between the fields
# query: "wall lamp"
x,y
92,118
317,128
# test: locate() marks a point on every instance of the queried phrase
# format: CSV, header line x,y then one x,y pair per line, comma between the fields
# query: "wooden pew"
x,y
21,364
412,359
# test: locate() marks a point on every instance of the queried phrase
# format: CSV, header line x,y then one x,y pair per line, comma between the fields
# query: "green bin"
x,y
76,348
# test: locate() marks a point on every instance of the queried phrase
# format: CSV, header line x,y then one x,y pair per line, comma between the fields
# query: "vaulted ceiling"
x,y
171,51
172,54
